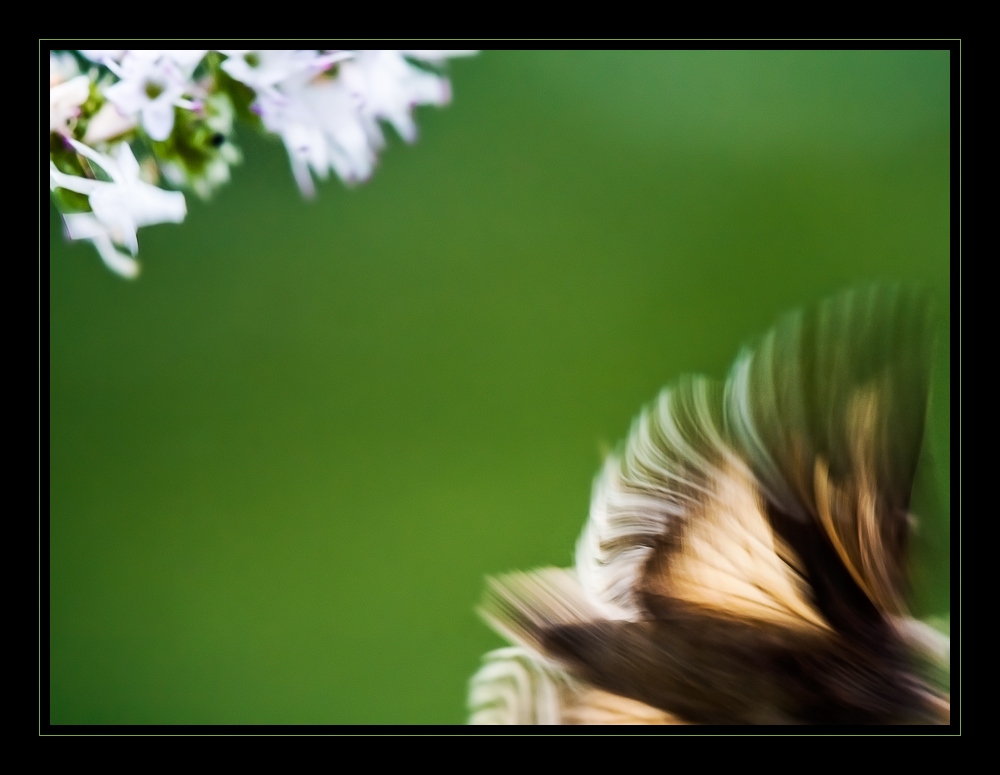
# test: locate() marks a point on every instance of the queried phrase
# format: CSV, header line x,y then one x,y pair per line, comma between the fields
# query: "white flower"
x,y
65,100
332,123
328,119
322,128
62,67
315,117
106,123
68,90
104,55
119,207
390,87
263,70
152,83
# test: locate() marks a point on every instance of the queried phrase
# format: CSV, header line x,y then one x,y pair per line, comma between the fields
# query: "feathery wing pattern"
x,y
744,559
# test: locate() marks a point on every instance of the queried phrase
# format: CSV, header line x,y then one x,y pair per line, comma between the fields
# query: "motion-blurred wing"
x,y
678,515
829,413
521,685
744,560
515,686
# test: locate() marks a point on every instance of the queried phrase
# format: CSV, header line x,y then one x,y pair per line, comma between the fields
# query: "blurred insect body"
x,y
744,559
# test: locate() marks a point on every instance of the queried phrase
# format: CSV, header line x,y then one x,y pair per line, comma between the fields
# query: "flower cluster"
x,y
175,110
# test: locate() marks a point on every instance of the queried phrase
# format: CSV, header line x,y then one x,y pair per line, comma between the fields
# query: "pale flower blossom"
x,y
62,67
152,84
326,106
107,123
263,70
392,87
68,90
332,123
104,55
322,128
119,207
65,100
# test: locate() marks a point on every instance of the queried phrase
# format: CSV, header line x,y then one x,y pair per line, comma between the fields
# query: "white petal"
x,y
107,123
126,161
117,262
158,118
65,99
59,179
83,226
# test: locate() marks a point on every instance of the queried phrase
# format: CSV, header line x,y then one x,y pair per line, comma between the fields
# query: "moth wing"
x,y
521,684
677,514
829,412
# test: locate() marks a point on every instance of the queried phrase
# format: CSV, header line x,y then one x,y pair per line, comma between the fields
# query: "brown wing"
x,y
829,412
744,557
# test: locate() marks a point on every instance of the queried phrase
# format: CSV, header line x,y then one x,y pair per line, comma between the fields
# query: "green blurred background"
x,y
283,460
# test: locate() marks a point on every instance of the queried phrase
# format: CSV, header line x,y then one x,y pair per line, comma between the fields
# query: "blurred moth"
x,y
745,557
